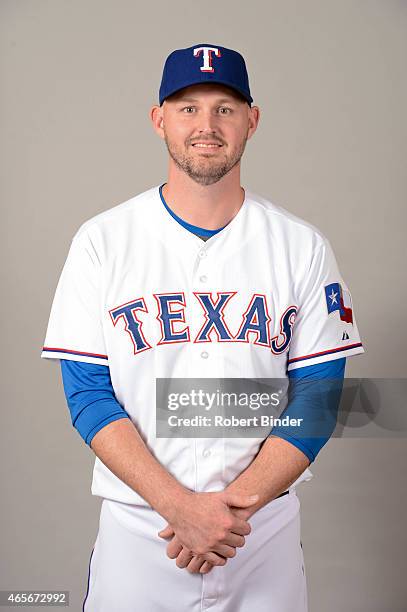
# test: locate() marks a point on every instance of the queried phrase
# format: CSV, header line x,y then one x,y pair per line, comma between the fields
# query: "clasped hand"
x,y
208,528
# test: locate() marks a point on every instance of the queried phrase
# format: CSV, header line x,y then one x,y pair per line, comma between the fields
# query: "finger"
x,y
174,548
239,500
235,540
240,526
206,567
195,564
243,513
167,532
225,551
184,557
214,559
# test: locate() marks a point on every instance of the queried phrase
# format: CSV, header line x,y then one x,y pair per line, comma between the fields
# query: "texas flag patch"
x,y
339,299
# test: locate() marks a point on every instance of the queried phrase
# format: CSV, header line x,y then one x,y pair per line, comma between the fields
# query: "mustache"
x,y
215,140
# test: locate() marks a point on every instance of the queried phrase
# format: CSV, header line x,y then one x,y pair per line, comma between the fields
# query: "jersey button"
x,y
203,278
206,453
202,254
204,355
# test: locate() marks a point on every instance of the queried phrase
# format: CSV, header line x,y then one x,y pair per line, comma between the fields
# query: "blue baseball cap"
x,y
204,63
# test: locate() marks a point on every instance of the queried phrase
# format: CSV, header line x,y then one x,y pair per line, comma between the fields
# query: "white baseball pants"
x,y
129,570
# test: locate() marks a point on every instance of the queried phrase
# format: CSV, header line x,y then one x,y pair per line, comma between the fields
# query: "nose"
x,y
207,122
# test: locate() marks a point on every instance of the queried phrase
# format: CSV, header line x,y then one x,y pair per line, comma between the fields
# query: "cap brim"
x,y
200,82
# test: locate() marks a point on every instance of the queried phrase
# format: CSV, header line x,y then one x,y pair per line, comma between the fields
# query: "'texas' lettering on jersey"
x,y
254,326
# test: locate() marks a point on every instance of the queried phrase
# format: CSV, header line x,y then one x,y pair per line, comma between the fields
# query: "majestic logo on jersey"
x,y
207,57
339,299
171,316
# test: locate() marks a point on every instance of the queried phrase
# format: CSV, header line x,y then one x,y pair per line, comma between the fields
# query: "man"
x,y
197,278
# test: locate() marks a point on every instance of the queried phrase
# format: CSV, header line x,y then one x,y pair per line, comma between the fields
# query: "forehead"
x,y
206,91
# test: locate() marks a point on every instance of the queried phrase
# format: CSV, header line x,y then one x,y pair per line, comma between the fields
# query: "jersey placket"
x,y
205,361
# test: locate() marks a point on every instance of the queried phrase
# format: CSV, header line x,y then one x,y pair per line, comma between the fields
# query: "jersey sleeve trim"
x,y
329,352
72,352
320,357
49,352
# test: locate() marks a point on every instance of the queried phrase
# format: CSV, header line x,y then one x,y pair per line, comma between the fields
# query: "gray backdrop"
x,y
78,79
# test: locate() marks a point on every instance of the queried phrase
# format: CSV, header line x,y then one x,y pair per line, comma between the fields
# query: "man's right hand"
x,y
204,523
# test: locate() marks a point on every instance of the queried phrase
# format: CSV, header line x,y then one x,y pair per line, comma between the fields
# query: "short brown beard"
x,y
205,175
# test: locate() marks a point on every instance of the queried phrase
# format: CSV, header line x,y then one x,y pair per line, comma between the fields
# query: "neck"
x,y
207,206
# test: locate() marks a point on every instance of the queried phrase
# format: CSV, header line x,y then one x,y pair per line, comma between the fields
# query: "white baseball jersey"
x,y
146,297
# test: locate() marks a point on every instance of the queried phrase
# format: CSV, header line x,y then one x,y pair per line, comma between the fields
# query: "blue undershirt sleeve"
x,y
90,397
92,402
314,395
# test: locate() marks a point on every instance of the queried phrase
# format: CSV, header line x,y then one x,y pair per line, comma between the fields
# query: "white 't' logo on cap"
x,y
207,57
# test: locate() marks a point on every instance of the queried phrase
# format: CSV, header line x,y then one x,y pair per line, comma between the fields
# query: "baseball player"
x,y
197,277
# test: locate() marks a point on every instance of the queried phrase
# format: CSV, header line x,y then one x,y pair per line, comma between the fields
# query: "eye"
x,y
225,108
187,108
